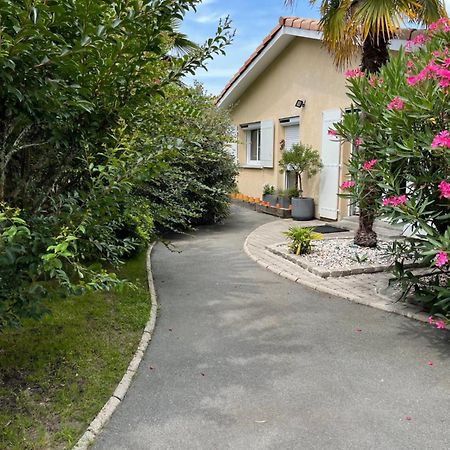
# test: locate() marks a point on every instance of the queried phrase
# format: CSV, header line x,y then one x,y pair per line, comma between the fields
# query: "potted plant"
x,y
283,198
301,159
269,194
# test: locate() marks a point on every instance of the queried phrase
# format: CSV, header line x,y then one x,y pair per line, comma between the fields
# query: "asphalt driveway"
x,y
244,359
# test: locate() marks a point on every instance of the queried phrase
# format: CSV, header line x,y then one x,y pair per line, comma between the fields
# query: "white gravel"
x,y
343,254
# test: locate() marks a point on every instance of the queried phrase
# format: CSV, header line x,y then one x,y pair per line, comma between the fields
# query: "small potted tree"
x,y
269,194
301,159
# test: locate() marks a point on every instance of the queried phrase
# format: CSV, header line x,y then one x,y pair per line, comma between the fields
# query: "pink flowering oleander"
x,y
441,24
430,320
357,142
375,81
432,70
442,139
444,188
420,39
369,164
441,259
440,324
354,73
347,185
332,133
394,201
396,104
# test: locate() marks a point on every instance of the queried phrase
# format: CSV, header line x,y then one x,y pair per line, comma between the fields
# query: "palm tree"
x,y
352,27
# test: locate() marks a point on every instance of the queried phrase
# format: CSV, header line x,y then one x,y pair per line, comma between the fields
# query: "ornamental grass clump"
x,y
400,118
301,239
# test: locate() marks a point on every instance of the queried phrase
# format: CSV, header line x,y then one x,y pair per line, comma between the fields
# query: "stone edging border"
x,y
110,406
378,303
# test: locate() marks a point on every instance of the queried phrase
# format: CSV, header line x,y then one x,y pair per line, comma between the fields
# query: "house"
x,y
288,91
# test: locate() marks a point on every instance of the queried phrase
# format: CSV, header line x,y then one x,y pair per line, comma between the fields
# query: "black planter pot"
x,y
302,208
284,201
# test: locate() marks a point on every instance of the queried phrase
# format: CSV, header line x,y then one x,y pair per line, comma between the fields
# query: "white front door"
x,y
329,175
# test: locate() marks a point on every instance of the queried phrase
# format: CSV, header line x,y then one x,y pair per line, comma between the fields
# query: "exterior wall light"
x,y
300,103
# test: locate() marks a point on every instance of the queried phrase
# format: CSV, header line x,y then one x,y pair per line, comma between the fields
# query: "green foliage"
x,y
301,159
407,171
268,189
292,192
301,238
101,146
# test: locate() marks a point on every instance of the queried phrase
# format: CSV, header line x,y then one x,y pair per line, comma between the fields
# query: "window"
x,y
258,144
253,146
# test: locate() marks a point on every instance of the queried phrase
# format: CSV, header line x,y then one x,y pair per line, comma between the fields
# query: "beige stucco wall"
x,y
304,70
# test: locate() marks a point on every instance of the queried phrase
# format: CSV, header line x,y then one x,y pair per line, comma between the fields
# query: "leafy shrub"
x,y
301,238
93,163
268,189
399,127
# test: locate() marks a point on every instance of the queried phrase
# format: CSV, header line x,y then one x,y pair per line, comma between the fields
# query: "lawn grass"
x,y
57,373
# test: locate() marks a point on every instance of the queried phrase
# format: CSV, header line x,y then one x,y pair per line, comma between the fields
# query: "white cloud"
x,y
208,18
447,5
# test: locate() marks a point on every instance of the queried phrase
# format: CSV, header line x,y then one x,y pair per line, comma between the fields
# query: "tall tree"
x,y
353,27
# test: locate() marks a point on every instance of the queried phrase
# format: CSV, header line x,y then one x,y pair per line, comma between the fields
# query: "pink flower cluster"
x,y
332,133
420,39
442,24
369,164
347,185
394,201
441,259
354,73
442,139
375,81
357,142
432,70
440,324
396,104
444,187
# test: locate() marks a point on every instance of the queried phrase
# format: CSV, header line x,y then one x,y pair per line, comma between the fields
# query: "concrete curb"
x,y
378,303
110,406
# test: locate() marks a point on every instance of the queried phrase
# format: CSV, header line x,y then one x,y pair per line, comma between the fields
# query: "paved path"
x,y
368,289
244,359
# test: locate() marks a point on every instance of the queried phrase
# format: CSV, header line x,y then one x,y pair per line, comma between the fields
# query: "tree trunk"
x,y
300,185
375,54
365,236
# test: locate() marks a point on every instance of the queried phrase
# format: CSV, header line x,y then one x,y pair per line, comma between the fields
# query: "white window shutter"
x,y
291,136
267,143
232,147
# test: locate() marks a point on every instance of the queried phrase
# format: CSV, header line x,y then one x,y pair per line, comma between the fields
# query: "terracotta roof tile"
x,y
300,23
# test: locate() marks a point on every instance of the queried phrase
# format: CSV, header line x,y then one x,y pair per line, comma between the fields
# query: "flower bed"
x,y
338,257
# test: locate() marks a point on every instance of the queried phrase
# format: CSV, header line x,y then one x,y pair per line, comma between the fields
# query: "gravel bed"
x,y
343,254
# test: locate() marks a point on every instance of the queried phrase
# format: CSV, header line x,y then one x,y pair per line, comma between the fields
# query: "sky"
x,y
252,19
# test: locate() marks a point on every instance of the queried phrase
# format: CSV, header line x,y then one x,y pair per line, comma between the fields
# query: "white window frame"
x,y
248,143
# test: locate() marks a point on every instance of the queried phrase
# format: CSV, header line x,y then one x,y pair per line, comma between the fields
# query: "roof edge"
x,y
404,34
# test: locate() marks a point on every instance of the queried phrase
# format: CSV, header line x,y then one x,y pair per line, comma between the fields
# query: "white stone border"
x,y
402,309
110,406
